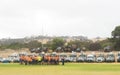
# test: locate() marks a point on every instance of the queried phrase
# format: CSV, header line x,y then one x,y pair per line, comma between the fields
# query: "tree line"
x,y
59,44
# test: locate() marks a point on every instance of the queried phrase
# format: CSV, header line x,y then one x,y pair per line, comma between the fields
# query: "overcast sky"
x,y
91,18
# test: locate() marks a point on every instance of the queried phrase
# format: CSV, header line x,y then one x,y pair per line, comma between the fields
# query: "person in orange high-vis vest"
x,y
25,60
33,59
45,59
29,59
53,60
56,59
21,59
49,59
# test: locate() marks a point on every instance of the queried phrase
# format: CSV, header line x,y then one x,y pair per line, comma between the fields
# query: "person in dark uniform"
x,y
63,60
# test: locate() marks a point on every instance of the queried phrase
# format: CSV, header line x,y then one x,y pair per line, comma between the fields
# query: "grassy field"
x,y
67,69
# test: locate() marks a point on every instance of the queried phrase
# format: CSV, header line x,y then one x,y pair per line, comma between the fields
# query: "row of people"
x,y
47,59
51,59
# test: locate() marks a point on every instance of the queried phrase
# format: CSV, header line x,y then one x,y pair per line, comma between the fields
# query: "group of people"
x,y
46,59
49,59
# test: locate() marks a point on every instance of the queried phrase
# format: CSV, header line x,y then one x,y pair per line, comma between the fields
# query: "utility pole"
x,y
42,37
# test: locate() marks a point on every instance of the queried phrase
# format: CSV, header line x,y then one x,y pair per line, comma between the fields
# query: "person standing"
x,y
63,60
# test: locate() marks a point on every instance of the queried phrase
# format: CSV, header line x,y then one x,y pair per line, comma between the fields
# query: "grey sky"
x,y
91,18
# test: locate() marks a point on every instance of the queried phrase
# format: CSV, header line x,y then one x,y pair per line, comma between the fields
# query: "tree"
x,y
15,45
33,44
80,44
105,43
94,46
48,44
57,42
116,38
74,45
116,32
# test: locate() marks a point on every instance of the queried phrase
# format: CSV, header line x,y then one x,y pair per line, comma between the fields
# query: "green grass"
x,y
67,69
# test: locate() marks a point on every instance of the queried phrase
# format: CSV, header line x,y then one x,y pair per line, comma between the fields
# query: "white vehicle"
x,y
23,53
62,56
100,58
73,57
5,60
118,57
67,59
14,57
91,58
81,58
110,57
54,54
